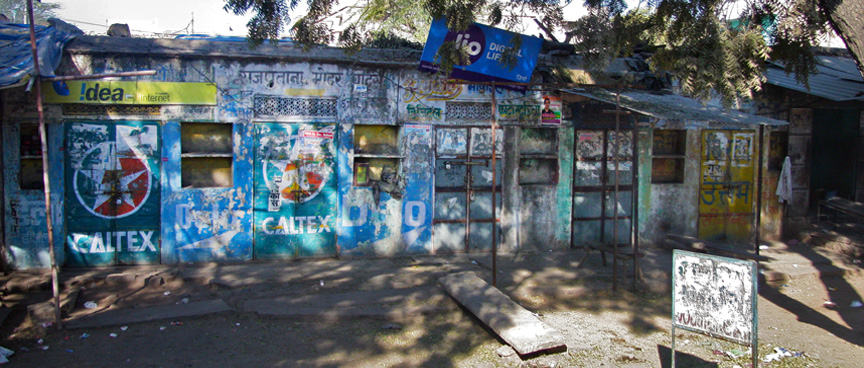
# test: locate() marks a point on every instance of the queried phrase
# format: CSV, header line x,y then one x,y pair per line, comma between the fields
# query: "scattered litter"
x,y
40,341
764,247
237,324
473,262
47,324
162,328
779,353
90,305
322,283
166,293
4,354
856,304
735,353
795,265
44,347
176,323
124,328
70,351
832,289
112,335
184,301
84,336
829,305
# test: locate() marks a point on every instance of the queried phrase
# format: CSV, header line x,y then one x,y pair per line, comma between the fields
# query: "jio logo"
x,y
471,40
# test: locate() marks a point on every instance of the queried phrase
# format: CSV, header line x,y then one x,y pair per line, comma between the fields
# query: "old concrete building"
x,y
232,154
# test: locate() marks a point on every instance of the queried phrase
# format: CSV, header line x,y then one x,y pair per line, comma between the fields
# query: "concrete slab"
x,y
126,316
517,326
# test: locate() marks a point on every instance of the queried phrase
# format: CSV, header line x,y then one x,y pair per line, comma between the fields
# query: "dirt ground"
x,y
602,329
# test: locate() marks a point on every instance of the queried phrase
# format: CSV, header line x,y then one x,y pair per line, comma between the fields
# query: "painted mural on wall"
x,y
113,193
207,224
726,184
295,201
392,217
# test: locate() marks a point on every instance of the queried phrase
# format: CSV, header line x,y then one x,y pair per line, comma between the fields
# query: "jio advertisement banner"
x,y
485,47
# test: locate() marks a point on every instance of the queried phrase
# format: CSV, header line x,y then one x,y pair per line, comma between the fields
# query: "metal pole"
x,y
634,209
615,200
759,190
55,284
494,185
97,76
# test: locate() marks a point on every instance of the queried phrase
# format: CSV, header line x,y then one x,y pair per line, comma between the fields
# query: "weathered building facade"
x,y
232,154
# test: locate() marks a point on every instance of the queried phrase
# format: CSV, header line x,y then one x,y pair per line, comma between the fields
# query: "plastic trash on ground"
x,y
5,354
856,304
779,353
90,305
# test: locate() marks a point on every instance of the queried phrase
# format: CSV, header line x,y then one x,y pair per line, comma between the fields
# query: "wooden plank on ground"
x,y
517,326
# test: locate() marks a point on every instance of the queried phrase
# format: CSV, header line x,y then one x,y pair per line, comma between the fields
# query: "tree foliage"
x,y
16,11
712,46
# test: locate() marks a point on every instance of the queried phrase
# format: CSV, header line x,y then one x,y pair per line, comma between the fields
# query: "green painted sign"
x,y
295,190
112,172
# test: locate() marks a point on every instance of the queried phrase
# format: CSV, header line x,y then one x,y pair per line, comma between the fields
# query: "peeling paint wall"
x,y
26,235
668,208
271,105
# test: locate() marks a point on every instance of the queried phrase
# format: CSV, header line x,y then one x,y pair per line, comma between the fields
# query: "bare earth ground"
x,y
602,328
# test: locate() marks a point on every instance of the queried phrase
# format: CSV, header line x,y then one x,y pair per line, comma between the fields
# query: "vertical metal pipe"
x,y
615,199
55,284
634,209
494,185
759,189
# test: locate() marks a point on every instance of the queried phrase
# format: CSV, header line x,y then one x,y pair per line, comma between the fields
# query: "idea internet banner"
x,y
129,93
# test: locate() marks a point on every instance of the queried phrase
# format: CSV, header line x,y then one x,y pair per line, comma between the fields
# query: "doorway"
x,y
295,194
463,219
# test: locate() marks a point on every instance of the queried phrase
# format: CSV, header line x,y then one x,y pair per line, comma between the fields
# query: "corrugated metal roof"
x,y
675,107
838,79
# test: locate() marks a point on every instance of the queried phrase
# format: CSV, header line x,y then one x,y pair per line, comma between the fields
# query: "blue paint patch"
x,y
206,224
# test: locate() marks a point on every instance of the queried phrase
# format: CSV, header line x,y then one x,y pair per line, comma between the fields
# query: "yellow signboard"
x,y
726,187
129,93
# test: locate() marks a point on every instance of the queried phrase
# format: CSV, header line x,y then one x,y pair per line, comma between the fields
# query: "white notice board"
x,y
715,295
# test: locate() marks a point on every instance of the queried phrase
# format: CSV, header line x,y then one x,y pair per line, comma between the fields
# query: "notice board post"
x,y
716,296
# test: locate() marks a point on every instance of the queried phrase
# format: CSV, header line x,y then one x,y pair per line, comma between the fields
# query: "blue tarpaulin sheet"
x,y
16,56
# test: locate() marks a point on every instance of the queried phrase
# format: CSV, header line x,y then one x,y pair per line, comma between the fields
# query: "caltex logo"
x,y
109,185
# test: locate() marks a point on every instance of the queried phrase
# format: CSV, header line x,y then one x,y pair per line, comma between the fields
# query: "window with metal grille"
x,y
469,111
297,107
125,110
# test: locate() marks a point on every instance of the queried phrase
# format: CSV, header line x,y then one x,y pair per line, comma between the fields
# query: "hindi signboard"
x,y
716,296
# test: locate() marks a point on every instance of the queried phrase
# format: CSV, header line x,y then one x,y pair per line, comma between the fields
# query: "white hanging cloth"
x,y
784,184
